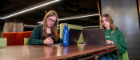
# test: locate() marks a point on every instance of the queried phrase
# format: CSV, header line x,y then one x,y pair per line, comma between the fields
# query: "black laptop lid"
x,y
74,35
94,36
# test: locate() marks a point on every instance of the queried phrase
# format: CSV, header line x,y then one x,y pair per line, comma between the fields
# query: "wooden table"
x,y
44,52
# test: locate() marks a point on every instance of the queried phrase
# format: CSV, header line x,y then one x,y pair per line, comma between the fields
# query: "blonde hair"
x,y
54,30
110,20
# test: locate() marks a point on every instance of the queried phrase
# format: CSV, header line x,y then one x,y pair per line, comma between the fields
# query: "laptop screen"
x,y
74,35
94,36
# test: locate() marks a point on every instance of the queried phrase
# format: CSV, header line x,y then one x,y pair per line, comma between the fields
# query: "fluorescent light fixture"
x,y
74,17
79,17
91,26
40,22
30,9
0,17
30,25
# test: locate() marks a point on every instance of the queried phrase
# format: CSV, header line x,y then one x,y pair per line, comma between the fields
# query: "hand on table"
x,y
48,40
109,42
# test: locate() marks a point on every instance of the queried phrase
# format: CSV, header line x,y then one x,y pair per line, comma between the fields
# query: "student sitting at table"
x,y
46,33
113,36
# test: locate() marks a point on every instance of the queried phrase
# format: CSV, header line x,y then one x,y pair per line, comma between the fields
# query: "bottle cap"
x,y
65,24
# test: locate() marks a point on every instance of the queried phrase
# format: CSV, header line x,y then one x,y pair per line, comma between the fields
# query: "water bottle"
x,y
65,35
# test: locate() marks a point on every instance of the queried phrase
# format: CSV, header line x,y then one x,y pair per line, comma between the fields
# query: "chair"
x,y
18,38
11,38
3,42
70,26
125,55
59,35
21,35
26,41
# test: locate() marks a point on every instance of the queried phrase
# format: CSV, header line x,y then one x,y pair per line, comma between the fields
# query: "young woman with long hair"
x,y
46,33
113,36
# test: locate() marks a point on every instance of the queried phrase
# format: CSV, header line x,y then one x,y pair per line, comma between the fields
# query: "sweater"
x,y
36,37
118,38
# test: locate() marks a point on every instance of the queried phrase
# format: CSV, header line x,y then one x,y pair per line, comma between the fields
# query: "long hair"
x,y
54,30
110,20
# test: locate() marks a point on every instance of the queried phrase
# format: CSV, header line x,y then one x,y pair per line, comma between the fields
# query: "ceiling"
x,y
64,8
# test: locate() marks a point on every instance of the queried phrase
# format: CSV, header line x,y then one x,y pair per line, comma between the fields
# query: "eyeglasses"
x,y
51,20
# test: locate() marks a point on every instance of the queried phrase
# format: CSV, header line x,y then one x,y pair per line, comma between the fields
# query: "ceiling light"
x,y
74,17
91,27
30,25
40,22
78,17
29,9
0,17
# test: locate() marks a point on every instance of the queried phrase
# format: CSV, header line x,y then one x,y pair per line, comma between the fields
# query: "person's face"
x,y
105,23
51,21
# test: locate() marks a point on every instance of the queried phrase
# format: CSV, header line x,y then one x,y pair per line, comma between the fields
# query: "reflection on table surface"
x,y
36,52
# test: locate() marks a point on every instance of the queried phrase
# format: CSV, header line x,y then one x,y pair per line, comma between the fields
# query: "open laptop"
x,y
94,36
74,36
